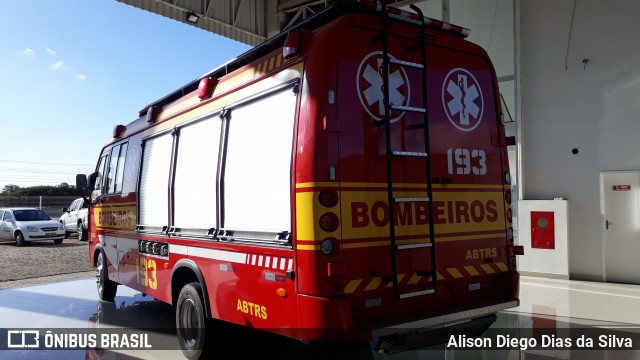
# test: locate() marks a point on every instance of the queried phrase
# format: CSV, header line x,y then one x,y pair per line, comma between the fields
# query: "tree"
x,y
63,189
10,189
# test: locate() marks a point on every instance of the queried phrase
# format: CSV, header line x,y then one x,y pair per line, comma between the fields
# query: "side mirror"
x,y
85,187
81,182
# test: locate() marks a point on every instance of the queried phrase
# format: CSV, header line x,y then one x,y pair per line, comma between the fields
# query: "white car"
x,y
29,224
74,219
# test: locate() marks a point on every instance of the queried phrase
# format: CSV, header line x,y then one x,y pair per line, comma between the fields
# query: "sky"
x,y
71,70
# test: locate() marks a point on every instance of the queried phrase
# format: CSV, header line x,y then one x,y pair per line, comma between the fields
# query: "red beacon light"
x,y
152,113
293,43
118,131
205,87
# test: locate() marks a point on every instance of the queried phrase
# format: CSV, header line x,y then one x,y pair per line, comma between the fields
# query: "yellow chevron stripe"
x,y
472,271
373,284
455,273
502,266
399,279
414,279
488,269
352,286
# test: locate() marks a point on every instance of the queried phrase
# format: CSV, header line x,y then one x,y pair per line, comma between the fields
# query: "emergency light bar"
x,y
415,19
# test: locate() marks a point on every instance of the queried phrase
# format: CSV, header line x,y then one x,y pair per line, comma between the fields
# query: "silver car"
x,y
29,224
74,219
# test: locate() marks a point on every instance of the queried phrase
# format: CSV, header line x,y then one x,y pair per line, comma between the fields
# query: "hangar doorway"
x,y
620,207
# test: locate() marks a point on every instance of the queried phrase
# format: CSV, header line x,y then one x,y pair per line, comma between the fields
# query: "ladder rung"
x,y
410,153
414,246
406,63
411,199
417,293
408,108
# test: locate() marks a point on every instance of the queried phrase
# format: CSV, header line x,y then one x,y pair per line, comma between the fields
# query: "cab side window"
x,y
73,206
100,179
116,169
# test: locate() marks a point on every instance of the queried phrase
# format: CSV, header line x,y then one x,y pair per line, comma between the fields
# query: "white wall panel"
x,y
592,108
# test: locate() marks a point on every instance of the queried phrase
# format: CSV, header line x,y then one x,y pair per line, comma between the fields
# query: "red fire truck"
x,y
346,177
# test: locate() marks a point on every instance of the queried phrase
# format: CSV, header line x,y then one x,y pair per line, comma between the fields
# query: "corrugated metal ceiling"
x,y
247,21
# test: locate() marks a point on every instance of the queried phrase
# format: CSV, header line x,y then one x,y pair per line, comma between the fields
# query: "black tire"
x,y
106,288
190,322
19,239
83,234
57,241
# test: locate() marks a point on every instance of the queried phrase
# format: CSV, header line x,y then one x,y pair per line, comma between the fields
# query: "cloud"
x,y
27,52
81,77
58,65
51,52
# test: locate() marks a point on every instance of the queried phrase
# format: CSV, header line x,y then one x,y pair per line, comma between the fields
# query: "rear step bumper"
x,y
431,337
443,320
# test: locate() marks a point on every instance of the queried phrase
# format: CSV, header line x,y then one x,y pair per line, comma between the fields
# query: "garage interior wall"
x,y
580,82
492,25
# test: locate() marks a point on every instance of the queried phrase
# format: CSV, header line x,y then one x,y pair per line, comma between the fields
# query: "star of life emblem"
x,y
462,99
370,84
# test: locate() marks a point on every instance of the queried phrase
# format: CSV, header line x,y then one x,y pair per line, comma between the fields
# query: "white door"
x,y
620,207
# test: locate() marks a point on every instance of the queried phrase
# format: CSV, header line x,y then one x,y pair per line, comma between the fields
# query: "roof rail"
x,y
415,19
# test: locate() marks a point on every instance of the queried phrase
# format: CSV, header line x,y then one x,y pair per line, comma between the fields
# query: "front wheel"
x,y
57,241
19,239
106,288
190,322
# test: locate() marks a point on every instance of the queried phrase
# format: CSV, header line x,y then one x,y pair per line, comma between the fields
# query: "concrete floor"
x,y
546,305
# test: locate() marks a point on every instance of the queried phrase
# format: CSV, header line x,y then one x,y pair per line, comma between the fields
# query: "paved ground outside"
x,y
43,262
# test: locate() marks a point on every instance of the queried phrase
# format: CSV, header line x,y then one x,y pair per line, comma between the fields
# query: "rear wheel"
x,y
190,322
19,239
106,288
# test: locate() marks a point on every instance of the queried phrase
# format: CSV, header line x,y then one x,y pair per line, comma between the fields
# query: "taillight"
x,y
328,198
327,246
329,222
507,197
509,215
510,234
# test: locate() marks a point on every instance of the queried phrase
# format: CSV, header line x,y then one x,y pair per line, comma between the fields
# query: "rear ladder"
x,y
391,155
